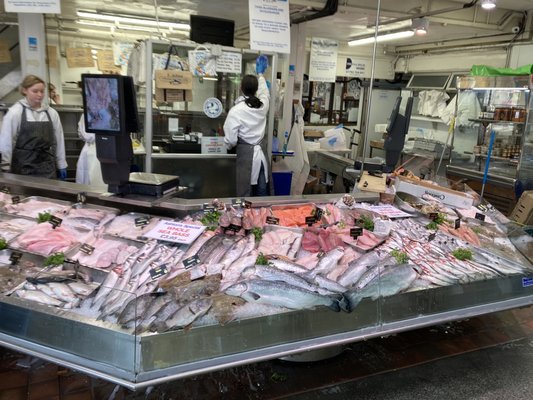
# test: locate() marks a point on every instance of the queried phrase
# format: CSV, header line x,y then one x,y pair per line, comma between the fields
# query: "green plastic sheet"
x,y
485,70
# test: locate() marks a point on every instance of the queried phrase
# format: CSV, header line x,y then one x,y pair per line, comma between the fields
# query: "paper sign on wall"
x,y
357,67
51,52
270,25
5,54
33,6
106,61
323,61
79,57
176,232
213,145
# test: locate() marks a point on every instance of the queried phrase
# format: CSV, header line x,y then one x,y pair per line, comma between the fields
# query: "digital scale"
x,y
152,184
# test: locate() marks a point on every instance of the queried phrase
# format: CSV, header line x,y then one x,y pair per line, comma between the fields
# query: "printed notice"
x,y
213,145
357,67
270,25
229,62
176,232
33,6
323,61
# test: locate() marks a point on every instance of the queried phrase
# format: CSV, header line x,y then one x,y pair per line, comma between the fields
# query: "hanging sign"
x,y
202,63
323,61
229,63
176,232
33,6
79,57
106,61
270,25
357,67
121,52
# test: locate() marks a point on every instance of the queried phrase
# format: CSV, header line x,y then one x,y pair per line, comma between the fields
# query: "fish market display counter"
x,y
145,312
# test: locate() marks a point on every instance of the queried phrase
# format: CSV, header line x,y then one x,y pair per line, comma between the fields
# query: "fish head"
x,y
248,272
237,289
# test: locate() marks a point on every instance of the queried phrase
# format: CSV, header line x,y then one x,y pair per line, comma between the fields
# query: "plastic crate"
x,y
523,211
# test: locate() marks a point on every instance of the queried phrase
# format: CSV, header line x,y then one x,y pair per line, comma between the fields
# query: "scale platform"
x,y
152,184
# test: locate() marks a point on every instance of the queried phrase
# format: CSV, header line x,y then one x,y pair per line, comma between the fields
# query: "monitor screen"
x,y
212,30
102,98
394,114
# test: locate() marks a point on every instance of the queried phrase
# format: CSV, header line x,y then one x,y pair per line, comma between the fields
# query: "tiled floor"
x,y
22,377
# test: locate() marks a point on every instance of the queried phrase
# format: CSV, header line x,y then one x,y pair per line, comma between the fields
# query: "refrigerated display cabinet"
x,y
106,350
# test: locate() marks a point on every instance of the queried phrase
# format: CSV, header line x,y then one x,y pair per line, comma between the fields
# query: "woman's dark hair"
x,y
249,87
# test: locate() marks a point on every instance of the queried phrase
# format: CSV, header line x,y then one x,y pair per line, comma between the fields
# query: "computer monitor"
x,y
109,104
397,129
212,30
110,112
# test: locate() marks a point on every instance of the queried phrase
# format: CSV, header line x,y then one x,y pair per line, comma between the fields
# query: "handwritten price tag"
x,y
176,232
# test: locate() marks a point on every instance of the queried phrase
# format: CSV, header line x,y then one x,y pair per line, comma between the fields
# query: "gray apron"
x,y
243,177
35,148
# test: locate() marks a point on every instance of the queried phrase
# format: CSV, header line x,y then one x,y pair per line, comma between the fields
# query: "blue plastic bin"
x,y
282,183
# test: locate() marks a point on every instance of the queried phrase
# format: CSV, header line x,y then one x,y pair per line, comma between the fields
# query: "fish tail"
x,y
354,299
334,305
344,304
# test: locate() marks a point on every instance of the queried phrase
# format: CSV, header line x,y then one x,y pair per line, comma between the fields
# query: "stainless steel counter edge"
x,y
62,190
478,175
191,155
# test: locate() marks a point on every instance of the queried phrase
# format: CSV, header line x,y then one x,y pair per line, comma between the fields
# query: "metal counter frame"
x,y
139,361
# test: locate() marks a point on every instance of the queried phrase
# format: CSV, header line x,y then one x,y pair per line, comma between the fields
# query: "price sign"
x,y
457,223
317,213
191,262
432,236
320,254
247,204
356,232
208,208
55,221
5,190
15,199
272,220
480,216
234,227
238,202
310,220
81,197
158,272
142,221
87,249
176,232
15,257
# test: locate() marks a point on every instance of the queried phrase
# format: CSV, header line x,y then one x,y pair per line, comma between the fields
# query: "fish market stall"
x,y
139,291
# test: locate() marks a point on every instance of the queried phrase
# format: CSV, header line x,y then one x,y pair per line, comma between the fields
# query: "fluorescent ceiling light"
x,y
386,27
488,4
133,20
382,38
420,26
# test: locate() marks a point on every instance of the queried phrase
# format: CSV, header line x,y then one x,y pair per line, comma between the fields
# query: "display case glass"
x,y
490,107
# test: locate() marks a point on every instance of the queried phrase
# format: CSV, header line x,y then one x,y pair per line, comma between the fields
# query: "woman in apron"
x,y
31,139
244,128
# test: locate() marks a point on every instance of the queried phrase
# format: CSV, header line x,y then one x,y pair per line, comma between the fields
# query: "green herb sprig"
x,y
3,243
210,218
44,217
54,259
261,259
258,233
367,223
462,254
400,256
434,225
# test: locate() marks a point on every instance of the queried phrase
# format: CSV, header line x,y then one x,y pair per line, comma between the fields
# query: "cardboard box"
x,y
313,134
172,95
442,194
523,211
173,79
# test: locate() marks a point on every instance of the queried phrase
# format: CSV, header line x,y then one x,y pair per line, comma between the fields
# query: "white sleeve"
x,y
232,127
83,135
9,132
263,93
60,139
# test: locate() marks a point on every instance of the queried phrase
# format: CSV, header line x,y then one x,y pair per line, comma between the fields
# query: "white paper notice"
x,y
323,61
357,67
33,6
230,63
270,25
176,232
